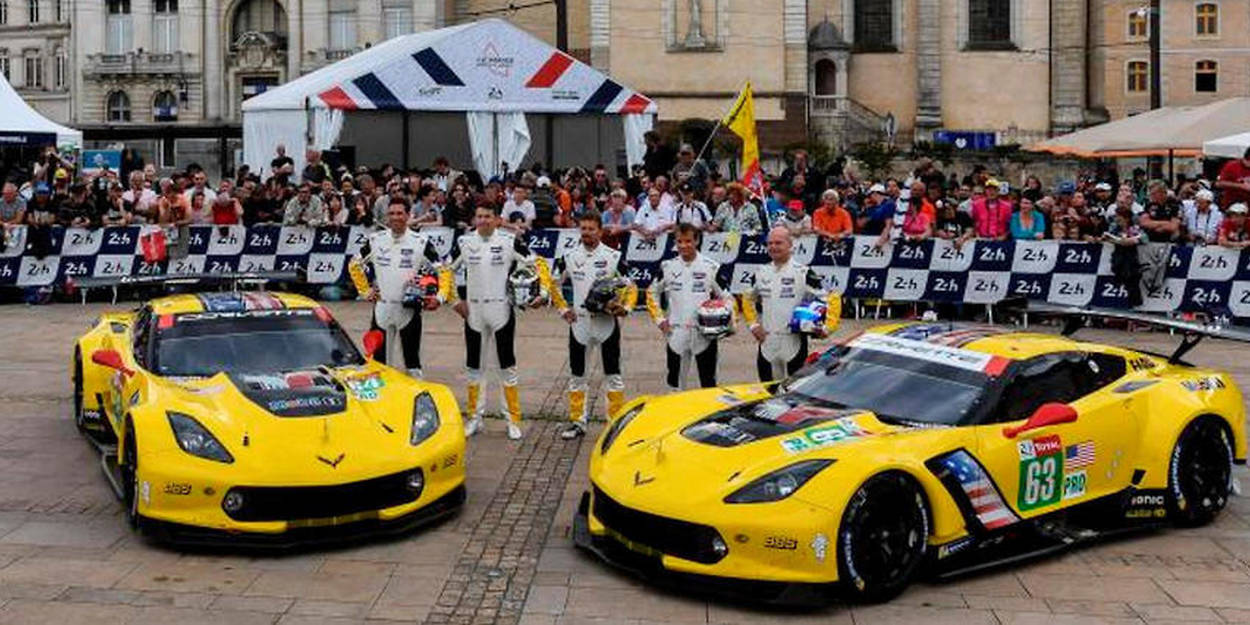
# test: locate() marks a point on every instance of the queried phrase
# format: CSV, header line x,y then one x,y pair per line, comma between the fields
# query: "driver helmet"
x,y
809,317
603,294
524,288
715,318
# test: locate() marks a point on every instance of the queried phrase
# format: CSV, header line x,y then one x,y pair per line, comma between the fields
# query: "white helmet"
x,y
716,318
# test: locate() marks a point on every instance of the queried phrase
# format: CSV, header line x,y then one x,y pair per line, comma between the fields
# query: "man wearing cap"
x,y
1234,231
991,215
878,209
690,210
1202,220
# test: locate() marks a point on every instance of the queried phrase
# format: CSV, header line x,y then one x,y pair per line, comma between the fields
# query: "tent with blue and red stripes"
x,y
484,66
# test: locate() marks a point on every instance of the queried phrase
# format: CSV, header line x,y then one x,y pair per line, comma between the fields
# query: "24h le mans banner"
x,y
1210,278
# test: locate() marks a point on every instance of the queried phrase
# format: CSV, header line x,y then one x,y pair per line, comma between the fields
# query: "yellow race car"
x,y
914,447
252,419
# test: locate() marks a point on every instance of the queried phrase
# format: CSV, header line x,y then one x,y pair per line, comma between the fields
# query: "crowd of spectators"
x,y
671,187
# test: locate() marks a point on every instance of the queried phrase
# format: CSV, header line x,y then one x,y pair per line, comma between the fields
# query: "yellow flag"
x,y
741,120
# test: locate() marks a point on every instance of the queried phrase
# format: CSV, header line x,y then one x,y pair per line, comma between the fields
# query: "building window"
x,y
1206,76
117,107
61,69
1207,15
1138,26
34,72
119,32
874,26
4,12
60,11
32,7
1138,78
165,107
989,24
4,64
397,20
165,27
342,29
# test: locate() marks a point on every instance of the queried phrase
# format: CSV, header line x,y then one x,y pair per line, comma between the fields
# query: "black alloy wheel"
x,y
882,538
1200,475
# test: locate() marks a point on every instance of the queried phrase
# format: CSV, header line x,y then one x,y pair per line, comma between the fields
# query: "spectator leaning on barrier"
x,y
1028,224
304,209
914,224
654,218
991,215
736,214
877,211
1202,220
831,220
1234,232
12,206
953,224
618,220
690,210
1234,180
1161,220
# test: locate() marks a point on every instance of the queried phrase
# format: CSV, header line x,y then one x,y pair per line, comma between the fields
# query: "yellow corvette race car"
x,y
252,419
915,447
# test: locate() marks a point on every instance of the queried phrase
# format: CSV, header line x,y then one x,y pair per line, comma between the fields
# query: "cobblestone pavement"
x,y
67,557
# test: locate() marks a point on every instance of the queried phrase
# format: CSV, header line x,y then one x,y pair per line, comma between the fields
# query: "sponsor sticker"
x,y
1074,484
954,547
783,543
1041,474
366,388
824,435
921,350
1207,383
820,547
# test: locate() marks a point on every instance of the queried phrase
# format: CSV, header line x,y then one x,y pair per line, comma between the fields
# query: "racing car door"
x,y
123,386
1056,437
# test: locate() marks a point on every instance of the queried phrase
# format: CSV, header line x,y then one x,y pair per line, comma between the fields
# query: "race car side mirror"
x,y
1045,415
112,359
372,341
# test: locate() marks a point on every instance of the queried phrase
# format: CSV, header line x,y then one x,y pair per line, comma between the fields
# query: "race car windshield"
x,y
896,388
200,345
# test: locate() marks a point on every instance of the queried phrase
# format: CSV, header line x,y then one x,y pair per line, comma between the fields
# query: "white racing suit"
x,y
779,290
686,286
583,267
487,263
397,261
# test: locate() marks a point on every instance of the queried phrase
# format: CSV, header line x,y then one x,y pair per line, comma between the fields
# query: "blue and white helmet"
x,y
809,317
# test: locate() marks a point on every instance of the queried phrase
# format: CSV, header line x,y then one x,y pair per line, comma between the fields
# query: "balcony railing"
x,y
138,63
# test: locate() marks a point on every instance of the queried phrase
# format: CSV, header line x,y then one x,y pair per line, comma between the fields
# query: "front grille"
x,y
291,503
689,541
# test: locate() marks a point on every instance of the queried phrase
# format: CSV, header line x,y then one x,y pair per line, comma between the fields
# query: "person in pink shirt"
x,y
991,215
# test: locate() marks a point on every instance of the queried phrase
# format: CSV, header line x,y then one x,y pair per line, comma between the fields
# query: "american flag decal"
x,y
1079,455
988,505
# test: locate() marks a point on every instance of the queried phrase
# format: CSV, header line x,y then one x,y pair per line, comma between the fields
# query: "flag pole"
x,y
719,122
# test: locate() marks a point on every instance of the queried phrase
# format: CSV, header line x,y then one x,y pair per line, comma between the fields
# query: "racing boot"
x,y
474,422
512,396
577,416
415,373
616,399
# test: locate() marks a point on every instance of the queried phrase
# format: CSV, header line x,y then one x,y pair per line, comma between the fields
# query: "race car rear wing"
x,y
236,280
1191,332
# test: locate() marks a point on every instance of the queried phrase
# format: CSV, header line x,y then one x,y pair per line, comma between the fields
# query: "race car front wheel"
x,y
882,538
1200,475
130,476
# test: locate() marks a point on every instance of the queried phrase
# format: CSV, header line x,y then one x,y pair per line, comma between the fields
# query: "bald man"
x,y
779,287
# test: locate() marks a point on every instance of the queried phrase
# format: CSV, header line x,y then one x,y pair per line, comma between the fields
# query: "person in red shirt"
x,y
991,215
831,220
1234,232
1234,180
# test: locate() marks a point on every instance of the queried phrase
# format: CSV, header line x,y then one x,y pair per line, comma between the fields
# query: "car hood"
x,y
738,440
340,420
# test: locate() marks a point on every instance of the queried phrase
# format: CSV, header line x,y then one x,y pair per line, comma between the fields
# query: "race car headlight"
x,y
617,426
424,419
779,484
196,440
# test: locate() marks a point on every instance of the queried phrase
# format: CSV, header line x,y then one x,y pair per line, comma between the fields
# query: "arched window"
x,y
117,107
874,26
165,107
262,16
1138,24
1207,18
826,77
1206,76
1138,78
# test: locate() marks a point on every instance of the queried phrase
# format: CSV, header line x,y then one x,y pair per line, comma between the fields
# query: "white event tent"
x,y
416,96
21,125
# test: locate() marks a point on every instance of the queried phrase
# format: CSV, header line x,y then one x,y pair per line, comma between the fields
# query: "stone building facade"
x,y
35,53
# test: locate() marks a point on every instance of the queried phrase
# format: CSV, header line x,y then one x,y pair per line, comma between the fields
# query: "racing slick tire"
x,y
882,538
129,464
1201,472
79,418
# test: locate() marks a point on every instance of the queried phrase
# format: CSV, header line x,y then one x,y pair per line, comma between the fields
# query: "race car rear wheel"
x,y
79,421
1200,475
882,537
130,476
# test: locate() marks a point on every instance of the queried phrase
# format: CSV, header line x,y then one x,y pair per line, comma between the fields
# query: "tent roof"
x,y
1181,130
489,65
1233,146
19,118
